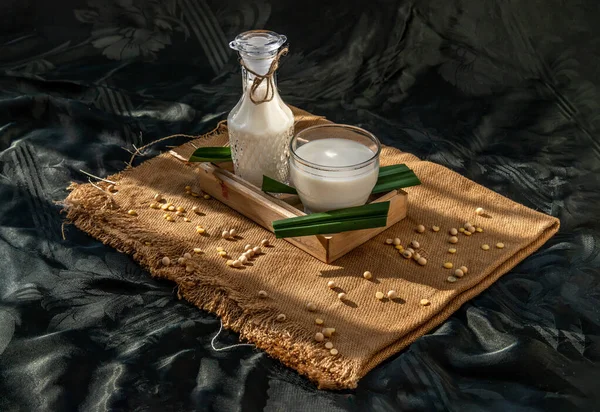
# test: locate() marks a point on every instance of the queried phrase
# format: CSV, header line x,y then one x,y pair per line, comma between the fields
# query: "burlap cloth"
x,y
367,330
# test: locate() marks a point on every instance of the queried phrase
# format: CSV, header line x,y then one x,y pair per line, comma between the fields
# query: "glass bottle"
x,y
260,125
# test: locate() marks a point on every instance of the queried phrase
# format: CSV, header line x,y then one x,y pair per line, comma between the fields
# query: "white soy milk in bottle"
x,y
260,125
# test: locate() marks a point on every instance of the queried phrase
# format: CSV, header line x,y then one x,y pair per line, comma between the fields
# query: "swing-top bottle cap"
x,y
258,48
258,42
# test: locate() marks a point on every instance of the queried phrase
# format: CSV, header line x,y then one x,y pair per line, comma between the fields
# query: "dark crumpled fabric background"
x,y
506,93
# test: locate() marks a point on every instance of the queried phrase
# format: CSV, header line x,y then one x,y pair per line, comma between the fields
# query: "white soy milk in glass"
x,y
334,166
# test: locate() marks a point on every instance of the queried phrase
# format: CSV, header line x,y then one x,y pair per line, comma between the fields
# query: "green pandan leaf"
x,y
211,154
273,186
335,221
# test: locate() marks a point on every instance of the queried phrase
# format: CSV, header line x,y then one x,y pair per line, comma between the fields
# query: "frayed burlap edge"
x,y
93,212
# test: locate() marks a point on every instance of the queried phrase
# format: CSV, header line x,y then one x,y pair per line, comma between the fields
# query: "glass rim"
x,y
355,166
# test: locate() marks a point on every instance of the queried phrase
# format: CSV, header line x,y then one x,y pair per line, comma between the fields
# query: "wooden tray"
x,y
264,208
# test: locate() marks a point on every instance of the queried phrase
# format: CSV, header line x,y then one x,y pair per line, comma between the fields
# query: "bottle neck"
x,y
267,89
